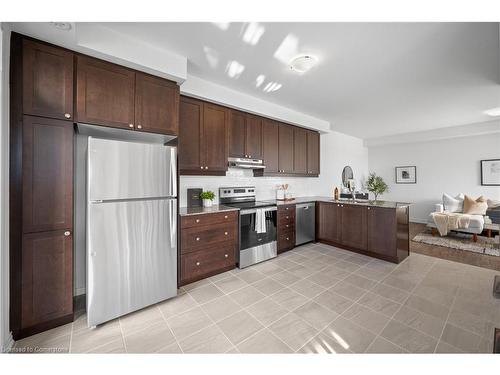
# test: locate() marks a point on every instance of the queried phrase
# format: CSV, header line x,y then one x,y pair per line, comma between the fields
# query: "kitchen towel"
x,y
260,220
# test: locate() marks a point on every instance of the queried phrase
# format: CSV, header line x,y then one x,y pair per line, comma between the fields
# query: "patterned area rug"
x,y
461,241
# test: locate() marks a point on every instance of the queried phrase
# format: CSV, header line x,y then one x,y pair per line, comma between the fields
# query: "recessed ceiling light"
x,y
493,112
66,26
303,63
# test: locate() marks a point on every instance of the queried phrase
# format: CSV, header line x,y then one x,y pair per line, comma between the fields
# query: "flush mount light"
x,y
303,63
494,112
66,26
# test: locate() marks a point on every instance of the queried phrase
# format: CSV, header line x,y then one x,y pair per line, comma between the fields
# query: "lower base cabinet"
x,y
47,279
208,245
286,228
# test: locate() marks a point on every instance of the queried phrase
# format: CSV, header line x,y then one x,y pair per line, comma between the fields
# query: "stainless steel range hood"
x,y
244,163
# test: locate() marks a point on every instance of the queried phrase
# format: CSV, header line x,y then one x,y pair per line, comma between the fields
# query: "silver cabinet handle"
x,y
341,205
225,255
288,239
249,156
130,125
201,167
197,263
67,233
67,115
225,233
139,126
197,220
197,238
368,207
286,225
206,167
286,217
225,217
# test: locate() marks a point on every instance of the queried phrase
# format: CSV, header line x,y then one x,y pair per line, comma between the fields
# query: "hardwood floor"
x,y
466,257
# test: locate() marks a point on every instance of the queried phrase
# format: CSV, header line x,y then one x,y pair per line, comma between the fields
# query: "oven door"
x,y
256,247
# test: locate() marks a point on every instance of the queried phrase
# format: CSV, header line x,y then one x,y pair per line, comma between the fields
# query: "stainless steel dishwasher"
x,y
305,217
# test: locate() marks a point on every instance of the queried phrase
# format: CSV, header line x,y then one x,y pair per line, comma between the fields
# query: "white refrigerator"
x,y
131,227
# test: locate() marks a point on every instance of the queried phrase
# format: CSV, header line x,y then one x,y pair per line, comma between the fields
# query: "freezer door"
x,y
131,256
127,170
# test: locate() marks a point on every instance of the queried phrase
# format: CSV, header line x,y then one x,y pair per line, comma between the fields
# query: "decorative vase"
x,y
207,203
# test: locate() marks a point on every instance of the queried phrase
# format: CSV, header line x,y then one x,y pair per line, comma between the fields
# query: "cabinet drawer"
x,y
286,226
286,209
198,264
286,241
206,219
193,239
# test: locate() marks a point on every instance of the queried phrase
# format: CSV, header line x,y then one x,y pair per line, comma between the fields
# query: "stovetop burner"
x,y
242,197
254,204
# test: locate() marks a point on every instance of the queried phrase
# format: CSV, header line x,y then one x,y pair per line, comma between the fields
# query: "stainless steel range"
x,y
258,224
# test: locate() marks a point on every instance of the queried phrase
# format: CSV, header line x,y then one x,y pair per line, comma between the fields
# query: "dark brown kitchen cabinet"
x,y
47,159
202,138
47,279
253,137
353,224
313,153
285,148
214,137
47,81
329,222
237,134
381,230
300,151
286,227
156,105
105,93
270,136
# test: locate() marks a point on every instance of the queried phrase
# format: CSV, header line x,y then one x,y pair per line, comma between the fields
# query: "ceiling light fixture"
x,y
65,26
493,112
303,63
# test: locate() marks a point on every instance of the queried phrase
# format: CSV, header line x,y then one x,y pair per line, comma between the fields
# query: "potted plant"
x,y
208,197
376,185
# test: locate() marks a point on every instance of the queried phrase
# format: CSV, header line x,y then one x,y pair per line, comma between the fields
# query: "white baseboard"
x,y
79,291
418,220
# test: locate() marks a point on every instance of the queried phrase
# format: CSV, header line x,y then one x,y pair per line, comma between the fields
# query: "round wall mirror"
x,y
347,175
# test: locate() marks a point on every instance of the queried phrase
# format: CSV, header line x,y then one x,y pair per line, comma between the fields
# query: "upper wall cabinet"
x,y
47,81
285,148
105,93
312,153
115,96
202,138
156,104
300,151
245,135
270,136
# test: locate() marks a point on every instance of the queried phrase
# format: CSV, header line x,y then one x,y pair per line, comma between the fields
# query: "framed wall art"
x,y
490,172
406,175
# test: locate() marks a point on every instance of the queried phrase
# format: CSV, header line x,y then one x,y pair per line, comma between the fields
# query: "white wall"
x,y
450,165
337,151
5,336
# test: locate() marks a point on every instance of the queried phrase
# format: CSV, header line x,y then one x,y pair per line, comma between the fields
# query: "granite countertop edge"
x,y
379,203
188,211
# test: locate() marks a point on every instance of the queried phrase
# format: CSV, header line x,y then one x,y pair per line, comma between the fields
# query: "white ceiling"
x,y
372,79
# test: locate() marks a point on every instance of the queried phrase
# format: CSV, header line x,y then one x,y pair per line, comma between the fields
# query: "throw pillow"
x,y
475,207
451,204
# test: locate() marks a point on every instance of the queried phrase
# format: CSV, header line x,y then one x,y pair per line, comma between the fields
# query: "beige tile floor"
x,y
314,299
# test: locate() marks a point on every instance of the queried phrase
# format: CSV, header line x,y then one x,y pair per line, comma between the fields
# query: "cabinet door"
x,y
47,174
285,148
47,81
214,139
329,219
254,137
381,230
237,134
190,134
270,136
105,93
354,226
156,105
299,151
47,277
313,153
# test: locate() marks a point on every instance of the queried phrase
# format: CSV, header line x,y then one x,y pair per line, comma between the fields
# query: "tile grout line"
x,y
446,321
170,329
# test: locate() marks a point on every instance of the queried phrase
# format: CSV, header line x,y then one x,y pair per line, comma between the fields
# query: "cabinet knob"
x,y
286,225
249,156
139,126
67,115
130,125
197,263
67,233
206,167
225,255
225,233
197,238
225,217
288,239
368,207
341,205
197,220
201,167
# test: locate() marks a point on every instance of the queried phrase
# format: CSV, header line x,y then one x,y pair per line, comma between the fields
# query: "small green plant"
x,y
210,195
376,185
